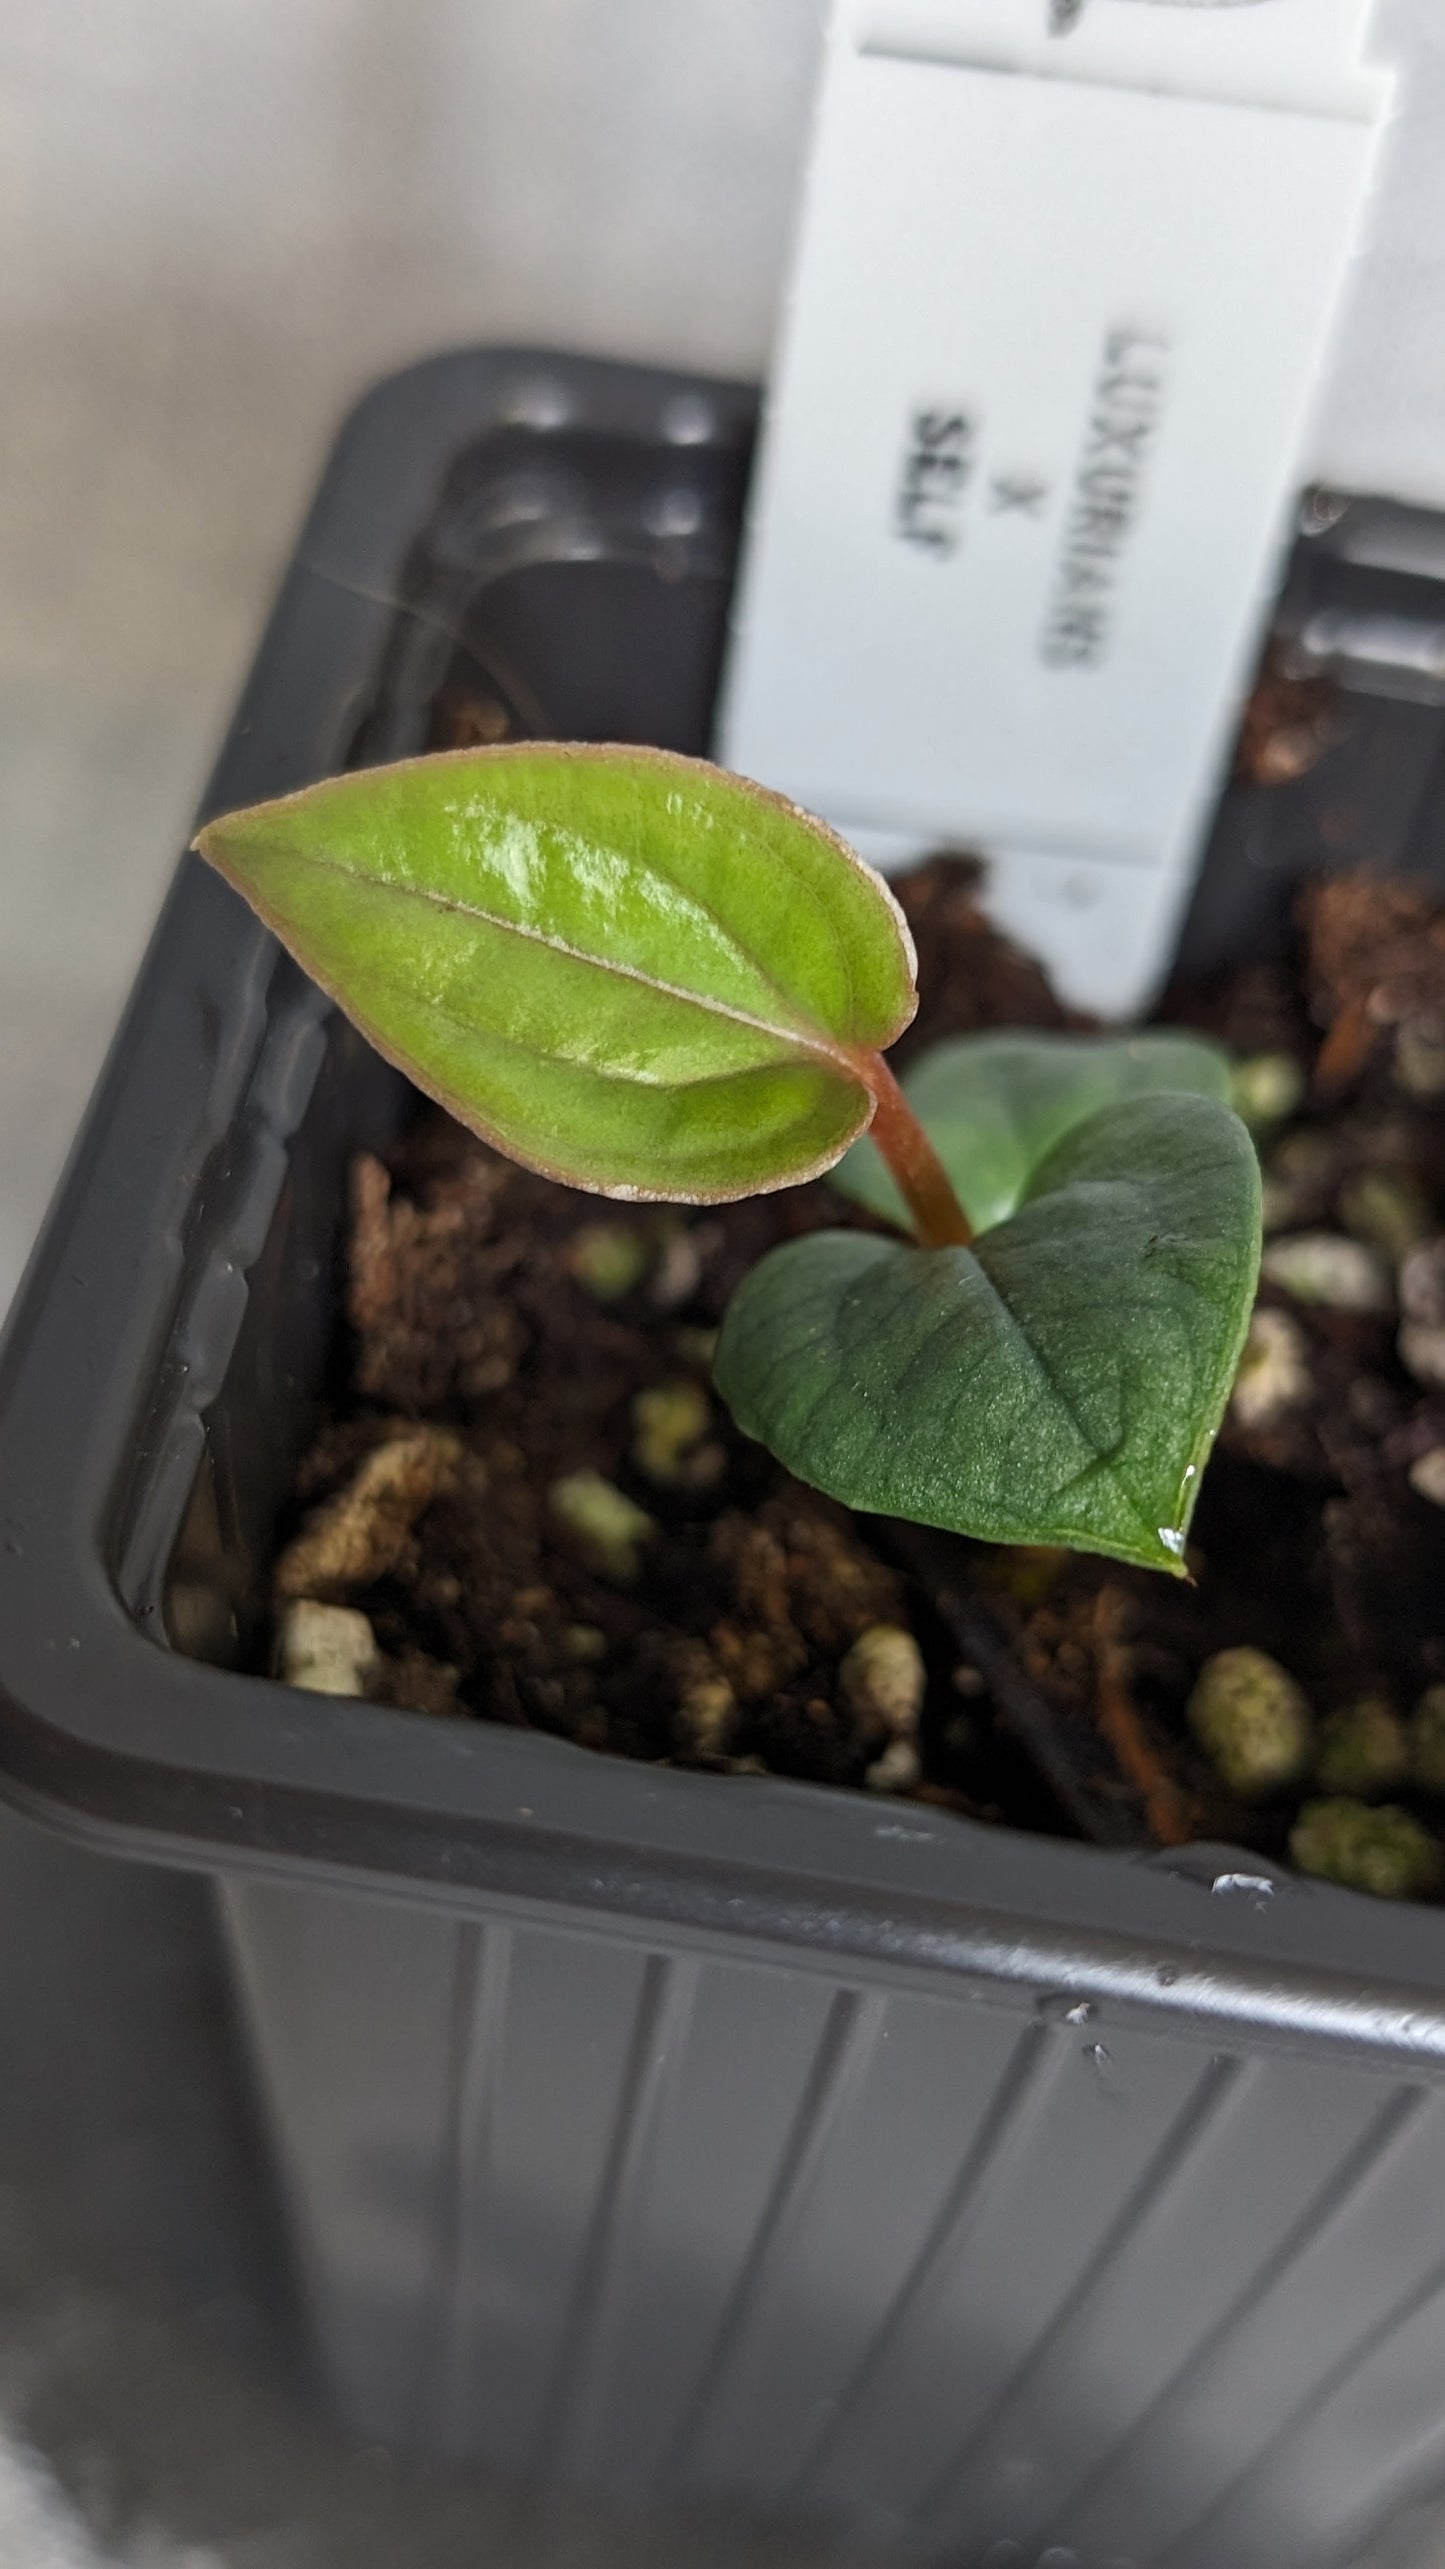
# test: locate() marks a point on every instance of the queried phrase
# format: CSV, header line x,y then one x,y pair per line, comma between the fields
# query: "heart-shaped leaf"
x,y
627,969
995,1105
1059,1382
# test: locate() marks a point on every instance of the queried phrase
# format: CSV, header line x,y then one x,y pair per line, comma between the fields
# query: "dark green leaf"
x,y
1060,1382
994,1105
627,969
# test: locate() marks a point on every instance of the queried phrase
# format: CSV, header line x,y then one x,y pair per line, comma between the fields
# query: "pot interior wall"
x,y
567,585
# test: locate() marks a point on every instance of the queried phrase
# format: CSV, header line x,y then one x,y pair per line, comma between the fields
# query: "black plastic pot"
x,y
651,2129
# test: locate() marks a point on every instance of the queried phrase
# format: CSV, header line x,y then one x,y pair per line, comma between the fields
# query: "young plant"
x,y
642,976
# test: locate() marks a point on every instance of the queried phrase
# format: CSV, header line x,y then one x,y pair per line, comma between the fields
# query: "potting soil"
x,y
573,1536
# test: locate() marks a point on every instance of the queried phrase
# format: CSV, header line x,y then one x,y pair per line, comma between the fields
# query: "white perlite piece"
x,y
706,1717
328,1650
896,1771
1427,1476
1422,1351
607,1529
1327,1268
1274,1373
884,1680
1422,1305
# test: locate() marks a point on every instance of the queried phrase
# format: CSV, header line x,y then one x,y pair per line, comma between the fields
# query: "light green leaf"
x,y
1059,1382
993,1105
626,969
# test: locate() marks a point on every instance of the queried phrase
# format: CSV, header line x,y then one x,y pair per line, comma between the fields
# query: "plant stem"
x,y
913,1163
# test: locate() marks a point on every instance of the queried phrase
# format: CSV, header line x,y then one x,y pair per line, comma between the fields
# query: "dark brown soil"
x,y
484,1300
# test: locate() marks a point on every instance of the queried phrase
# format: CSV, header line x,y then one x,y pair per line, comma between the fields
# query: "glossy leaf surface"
x,y
1059,1382
995,1105
624,968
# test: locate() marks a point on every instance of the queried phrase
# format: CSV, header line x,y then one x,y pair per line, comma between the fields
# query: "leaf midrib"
x,y
1103,1460
599,1071
813,1042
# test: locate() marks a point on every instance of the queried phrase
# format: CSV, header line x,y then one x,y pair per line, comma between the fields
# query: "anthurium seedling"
x,y
647,978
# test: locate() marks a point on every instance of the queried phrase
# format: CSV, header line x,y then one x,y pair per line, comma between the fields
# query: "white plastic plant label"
x,y
1033,444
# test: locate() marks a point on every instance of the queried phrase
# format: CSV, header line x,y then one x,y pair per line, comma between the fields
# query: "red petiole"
x,y
913,1163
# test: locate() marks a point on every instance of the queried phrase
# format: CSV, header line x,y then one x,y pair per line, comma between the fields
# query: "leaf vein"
x,y
808,1040
1105,1456
606,1073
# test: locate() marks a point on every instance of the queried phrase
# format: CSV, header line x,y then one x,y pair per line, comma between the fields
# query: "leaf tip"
x,y
208,843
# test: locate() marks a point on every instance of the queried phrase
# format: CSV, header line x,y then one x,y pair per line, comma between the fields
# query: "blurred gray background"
x,y
222,218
